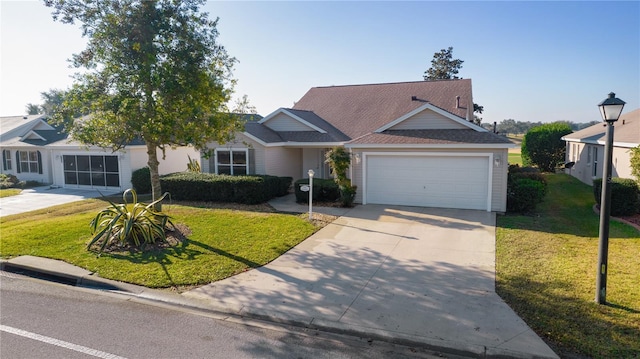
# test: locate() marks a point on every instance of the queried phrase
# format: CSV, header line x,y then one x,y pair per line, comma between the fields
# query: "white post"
x,y
310,173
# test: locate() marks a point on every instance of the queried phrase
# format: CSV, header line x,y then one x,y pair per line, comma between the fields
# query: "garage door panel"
x,y
431,181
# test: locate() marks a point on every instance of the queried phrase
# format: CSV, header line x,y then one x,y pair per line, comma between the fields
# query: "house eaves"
x,y
293,143
432,145
428,106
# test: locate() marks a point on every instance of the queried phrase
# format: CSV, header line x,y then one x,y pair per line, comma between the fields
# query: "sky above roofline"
x,y
529,61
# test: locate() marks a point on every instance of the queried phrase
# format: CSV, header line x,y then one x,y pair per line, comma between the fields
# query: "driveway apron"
x,y
406,273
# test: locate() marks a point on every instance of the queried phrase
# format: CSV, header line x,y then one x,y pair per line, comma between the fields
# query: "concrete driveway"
x,y
31,199
403,273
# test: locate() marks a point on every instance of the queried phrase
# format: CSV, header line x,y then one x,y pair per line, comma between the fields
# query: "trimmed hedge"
x,y
141,180
625,200
526,187
208,187
324,190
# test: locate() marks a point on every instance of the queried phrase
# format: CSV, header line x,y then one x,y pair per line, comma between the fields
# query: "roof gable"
x,y
429,117
357,110
285,120
626,132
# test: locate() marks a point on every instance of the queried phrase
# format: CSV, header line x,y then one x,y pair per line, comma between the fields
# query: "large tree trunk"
x,y
153,164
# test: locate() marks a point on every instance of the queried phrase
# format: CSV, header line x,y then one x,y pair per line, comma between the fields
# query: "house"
x,y
586,148
35,150
412,143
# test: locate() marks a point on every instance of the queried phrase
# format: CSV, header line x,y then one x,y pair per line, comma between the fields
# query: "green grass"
x,y
515,158
223,242
546,270
7,192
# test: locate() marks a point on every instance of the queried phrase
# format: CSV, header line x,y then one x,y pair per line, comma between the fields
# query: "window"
x,y
232,162
29,162
6,160
100,171
594,162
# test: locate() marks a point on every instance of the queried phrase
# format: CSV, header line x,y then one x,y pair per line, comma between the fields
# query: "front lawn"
x,y
7,192
546,271
223,242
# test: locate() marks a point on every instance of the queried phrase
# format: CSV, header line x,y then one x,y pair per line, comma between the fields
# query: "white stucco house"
x,y
35,150
412,143
585,148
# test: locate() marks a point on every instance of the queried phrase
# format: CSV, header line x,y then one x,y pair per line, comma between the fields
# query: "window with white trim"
x,y
232,161
29,162
6,160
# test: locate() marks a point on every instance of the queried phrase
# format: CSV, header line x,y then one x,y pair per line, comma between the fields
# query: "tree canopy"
x,y
152,70
443,66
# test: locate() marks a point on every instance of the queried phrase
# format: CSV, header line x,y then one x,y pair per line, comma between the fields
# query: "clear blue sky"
x,y
529,61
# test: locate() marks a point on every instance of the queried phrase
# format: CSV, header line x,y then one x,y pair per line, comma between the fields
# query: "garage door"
x,y
429,181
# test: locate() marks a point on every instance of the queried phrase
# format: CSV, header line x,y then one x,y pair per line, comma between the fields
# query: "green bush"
x,y
524,194
8,181
141,180
543,146
324,190
208,187
624,195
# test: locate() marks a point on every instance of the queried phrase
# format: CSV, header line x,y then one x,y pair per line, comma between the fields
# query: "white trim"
x,y
297,118
28,136
444,146
295,144
428,106
430,154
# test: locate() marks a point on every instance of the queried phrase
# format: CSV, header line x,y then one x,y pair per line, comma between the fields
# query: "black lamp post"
x,y
610,110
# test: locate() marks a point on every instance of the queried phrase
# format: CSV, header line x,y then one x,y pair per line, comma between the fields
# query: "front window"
x,y
100,171
6,160
232,162
594,164
28,161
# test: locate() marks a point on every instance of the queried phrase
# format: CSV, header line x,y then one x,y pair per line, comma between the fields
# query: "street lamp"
x,y
610,110
310,173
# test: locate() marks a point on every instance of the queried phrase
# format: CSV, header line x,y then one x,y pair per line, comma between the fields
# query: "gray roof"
x,y
423,137
626,132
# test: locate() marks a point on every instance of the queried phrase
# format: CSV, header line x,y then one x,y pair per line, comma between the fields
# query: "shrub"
x,y
624,195
524,194
134,223
543,146
8,181
324,190
339,160
252,189
141,180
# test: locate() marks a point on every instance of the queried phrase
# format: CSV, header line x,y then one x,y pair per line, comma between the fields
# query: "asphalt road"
x,y
40,319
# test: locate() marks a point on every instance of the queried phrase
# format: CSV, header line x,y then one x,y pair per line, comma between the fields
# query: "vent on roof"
x,y
414,98
457,101
24,117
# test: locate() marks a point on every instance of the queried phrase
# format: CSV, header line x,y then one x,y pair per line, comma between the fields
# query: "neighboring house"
x,y
34,150
586,148
412,143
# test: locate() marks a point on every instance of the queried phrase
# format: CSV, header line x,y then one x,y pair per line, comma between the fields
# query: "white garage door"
x,y
428,181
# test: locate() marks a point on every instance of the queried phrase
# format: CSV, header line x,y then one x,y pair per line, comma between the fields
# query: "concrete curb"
x,y
62,272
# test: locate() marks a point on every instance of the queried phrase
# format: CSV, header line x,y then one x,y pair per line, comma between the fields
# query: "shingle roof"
x,y
626,131
357,110
394,137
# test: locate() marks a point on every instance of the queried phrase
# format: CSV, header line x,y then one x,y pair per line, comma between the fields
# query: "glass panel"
x,y
111,163
239,158
84,178
24,166
224,157
97,179
33,156
83,163
33,167
69,163
97,163
70,178
224,170
113,180
239,170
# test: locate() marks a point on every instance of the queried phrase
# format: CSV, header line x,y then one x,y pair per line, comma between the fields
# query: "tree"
x,y
635,162
52,99
443,66
33,109
543,146
153,71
